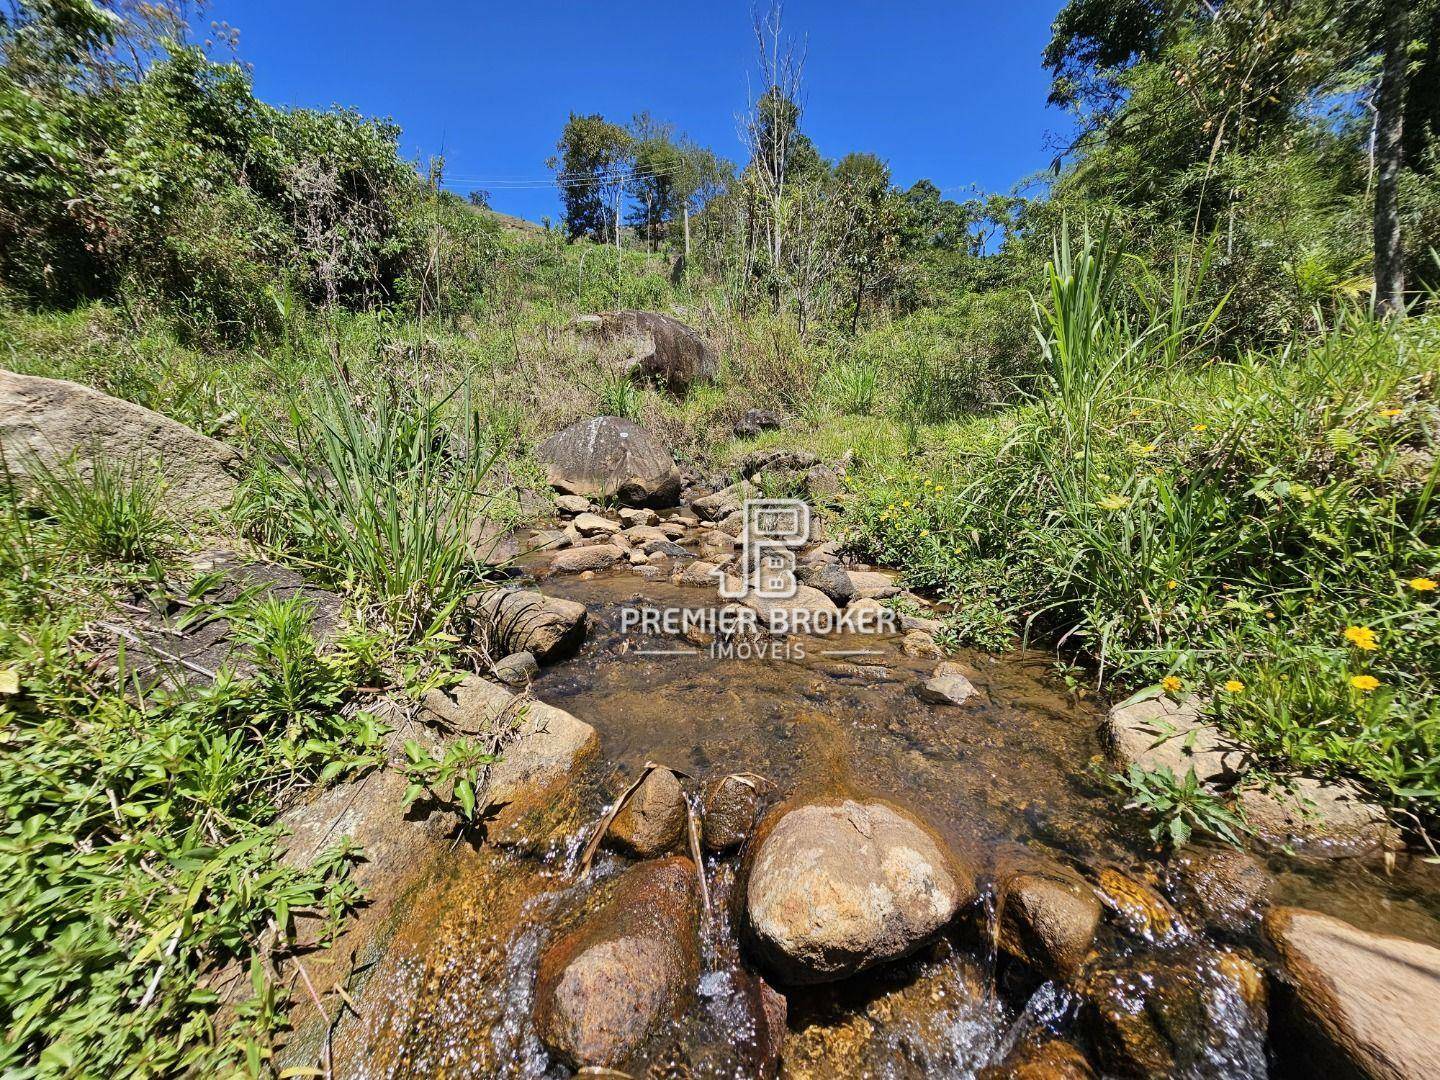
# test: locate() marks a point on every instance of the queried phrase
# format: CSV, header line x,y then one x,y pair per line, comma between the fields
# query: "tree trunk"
x,y
1389,126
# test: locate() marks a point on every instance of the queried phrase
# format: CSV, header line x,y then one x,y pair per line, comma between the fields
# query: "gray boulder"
x,y
54,421
670,353
607,457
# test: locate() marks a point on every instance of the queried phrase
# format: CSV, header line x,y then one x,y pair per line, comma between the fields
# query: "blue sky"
x,y
949,91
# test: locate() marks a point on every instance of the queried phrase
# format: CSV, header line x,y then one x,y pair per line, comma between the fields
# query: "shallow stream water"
x,y
451,993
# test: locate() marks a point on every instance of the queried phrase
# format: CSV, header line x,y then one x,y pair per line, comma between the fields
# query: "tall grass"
x,y
112,510
380,486
1164,513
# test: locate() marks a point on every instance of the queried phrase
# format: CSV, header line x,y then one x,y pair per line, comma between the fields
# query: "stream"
x,y
452,991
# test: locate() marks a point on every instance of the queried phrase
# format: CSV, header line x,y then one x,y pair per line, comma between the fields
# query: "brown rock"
x,y
520,620
730,807
594,525
1356,1003
653,820
1048,915
1188,1012
1052,1060
1228,890
572,504
919,644
580,560
605,986
839,886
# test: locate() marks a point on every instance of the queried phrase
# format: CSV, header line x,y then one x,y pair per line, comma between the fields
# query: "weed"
x,y
111,511
1180,807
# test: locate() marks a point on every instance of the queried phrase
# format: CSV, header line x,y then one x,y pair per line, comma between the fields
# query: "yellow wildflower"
x,y
1198,428
1364,682
959,551
924,532
1172,584
1234,686
939,488
1113,502
906,504
1362,637
1422,584
1390,414
1171,684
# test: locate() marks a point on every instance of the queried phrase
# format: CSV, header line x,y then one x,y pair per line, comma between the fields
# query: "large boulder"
x,y
1354,1003
669,352
605,986
54,421
519,620
838,886
607,457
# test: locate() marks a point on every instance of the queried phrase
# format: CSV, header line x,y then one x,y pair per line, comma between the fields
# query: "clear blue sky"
x,y
949,91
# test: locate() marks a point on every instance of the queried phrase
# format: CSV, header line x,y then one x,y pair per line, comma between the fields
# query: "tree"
x,y
1389,129
657,162
593,163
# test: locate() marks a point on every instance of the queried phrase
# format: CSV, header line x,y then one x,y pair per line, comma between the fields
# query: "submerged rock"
x,y
608,457
947,685
1354,1002
653,819
919,644
1048,915
605,986
1189,1012
731,805
1227,890
54,421
839,886
1051,1060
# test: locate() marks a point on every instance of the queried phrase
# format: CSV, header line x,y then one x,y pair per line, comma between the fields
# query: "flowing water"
x,y
451,991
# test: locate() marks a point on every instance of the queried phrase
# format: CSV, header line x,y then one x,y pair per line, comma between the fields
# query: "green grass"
x,y
138,847
1217,522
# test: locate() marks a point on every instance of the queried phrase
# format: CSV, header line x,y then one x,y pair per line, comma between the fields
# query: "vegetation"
x,y
1161,410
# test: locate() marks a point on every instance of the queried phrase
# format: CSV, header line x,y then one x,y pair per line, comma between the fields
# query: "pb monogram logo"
x,y
774,528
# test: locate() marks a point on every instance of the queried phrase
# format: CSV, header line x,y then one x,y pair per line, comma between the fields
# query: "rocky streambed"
x,y
825,867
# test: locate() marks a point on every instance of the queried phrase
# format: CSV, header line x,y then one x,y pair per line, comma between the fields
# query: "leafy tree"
x,y
593,159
